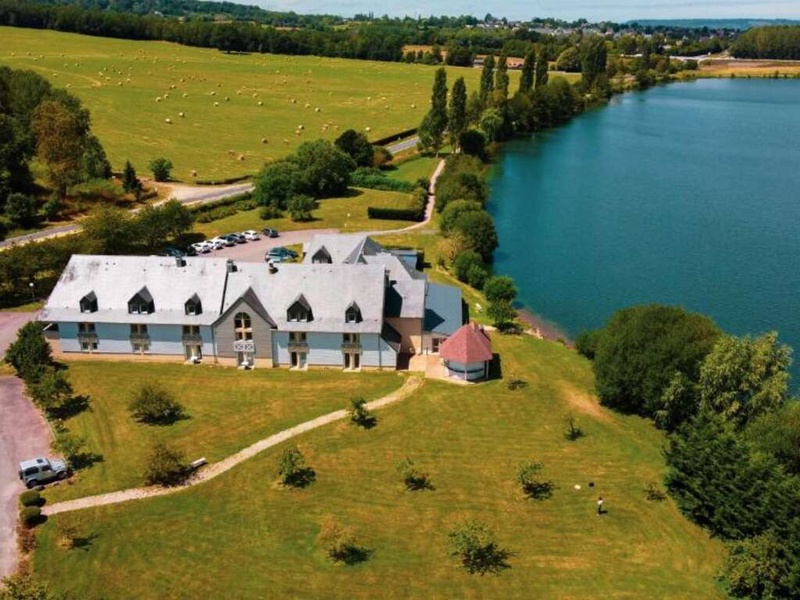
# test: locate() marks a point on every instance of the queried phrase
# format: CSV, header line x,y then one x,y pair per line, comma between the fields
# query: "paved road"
x,y
404,145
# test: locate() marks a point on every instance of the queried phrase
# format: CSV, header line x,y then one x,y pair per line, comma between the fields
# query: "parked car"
x,y
190,251
218,243
251,235
270,233
37,471
202,247
273,259
172,251
237,238
282,251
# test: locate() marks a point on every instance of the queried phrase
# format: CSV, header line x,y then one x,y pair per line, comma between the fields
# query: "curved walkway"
x,y
411,385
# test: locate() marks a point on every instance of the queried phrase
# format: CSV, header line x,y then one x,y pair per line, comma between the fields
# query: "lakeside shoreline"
x,y
542,328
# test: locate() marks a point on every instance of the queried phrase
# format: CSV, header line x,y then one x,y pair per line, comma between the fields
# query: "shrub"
x,y
454,210
360,415
30,498
653,492
413,478
376,180
572,431
502,314
340,543
165,466
532,486
161,168
586,342
464,262
396,214
53,391
154,404
473,143
292,469
21,210
478,227
30,354
270,212
500,287
477,275
73,447
515,383
472,542
300,207
30,516
69,527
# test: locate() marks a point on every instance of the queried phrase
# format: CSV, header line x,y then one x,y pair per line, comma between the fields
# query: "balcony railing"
x,y
140,338
298,346
192,339
244,346
351,346
87,337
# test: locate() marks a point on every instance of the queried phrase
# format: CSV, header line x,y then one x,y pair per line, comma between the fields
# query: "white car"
x,y
251,235
217,243
202,247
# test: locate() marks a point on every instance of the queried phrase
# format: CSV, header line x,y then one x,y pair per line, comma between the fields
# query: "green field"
x,y
228,410
240,536
120,81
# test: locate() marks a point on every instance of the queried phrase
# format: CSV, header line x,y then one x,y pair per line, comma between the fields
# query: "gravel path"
x,y
411,385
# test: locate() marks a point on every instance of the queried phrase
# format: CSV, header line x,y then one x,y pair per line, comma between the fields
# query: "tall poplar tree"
x,y
433,126
540,71
487,79
457,117
526,77
501,81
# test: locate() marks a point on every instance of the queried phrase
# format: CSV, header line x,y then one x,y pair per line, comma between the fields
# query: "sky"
x,y
599,10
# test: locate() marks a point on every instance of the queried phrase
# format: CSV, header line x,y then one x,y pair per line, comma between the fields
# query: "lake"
x,y
685,194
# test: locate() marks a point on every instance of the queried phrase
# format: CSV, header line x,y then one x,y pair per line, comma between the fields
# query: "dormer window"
x,y
300,311
89,303
321,257
141,303
193,305
352,314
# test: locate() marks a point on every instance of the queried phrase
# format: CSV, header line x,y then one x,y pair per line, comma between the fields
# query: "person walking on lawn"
x,y
600,503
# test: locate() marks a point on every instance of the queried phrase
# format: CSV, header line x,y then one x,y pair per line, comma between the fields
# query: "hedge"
x,y
222,181
31,516
396,214
30,498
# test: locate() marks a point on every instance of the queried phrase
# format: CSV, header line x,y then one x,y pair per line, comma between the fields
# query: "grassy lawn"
x,y
414,168
239,534
228,409
346,214
119,81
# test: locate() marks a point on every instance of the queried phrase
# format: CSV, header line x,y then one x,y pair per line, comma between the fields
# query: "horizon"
x,y
619,11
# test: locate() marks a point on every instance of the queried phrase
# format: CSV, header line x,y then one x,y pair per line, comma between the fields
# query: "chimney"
x,y
272,269
230,266
180,261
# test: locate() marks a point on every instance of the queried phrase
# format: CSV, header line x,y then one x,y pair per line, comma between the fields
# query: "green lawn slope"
x,y
240,536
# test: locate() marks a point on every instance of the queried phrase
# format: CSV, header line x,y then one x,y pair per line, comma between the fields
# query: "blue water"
x,y
687,194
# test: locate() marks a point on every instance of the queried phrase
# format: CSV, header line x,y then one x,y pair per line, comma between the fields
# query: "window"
x,y
352,314
436,344
89,303
88,346
242,326
139,339
138,329
85,327
193,305
300,311
191,330
141,303
321,256
297,336
351,338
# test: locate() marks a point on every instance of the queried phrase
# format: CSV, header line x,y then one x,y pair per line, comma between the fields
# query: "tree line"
x,y
733,450
778,42
37,120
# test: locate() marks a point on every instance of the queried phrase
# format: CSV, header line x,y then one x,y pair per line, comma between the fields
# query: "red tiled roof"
x,y
469,344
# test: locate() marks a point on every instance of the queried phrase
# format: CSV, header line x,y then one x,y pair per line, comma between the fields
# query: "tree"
x,y
177,218
760,568
743,378
455,209
165,466
569,60
161,168
300,207
53,390
493,124
593,61
457,116
292,469
541,75
473,143
464,262
154,404
110,230
487,80
477,276
21,209
324,169
586,342
501,81
640,350
22,586
500,287
778,433
360,415
356,145
501,313
413,478
527,74
73,448
473,544
30,354
130,182
276,183
94,160
340,543
435,122
532,485
60,135
478,227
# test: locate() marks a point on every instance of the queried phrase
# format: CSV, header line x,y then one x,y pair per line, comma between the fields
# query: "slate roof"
x,y
342,248
444,310
116,279
470,344
406,299
327,289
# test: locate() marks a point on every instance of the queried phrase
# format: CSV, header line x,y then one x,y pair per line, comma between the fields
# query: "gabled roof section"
x,y
343,249
322,256
301,300
470,344
444,309
250,298
142,295
353,308
88,303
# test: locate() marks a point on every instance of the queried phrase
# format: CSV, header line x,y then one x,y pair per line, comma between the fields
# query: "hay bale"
x,y
301,127
181,115
194,173
227,99
166,96
216,103
367,128
241,157
317,109
413,106
158,99
308,105
185,95
168,121
264,141
260,103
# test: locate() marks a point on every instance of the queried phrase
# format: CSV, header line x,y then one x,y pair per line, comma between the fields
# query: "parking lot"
x,y
254,251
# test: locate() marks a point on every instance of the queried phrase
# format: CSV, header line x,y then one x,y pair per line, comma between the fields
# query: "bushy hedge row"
x,y
376,180
214,211
414,212
222,181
